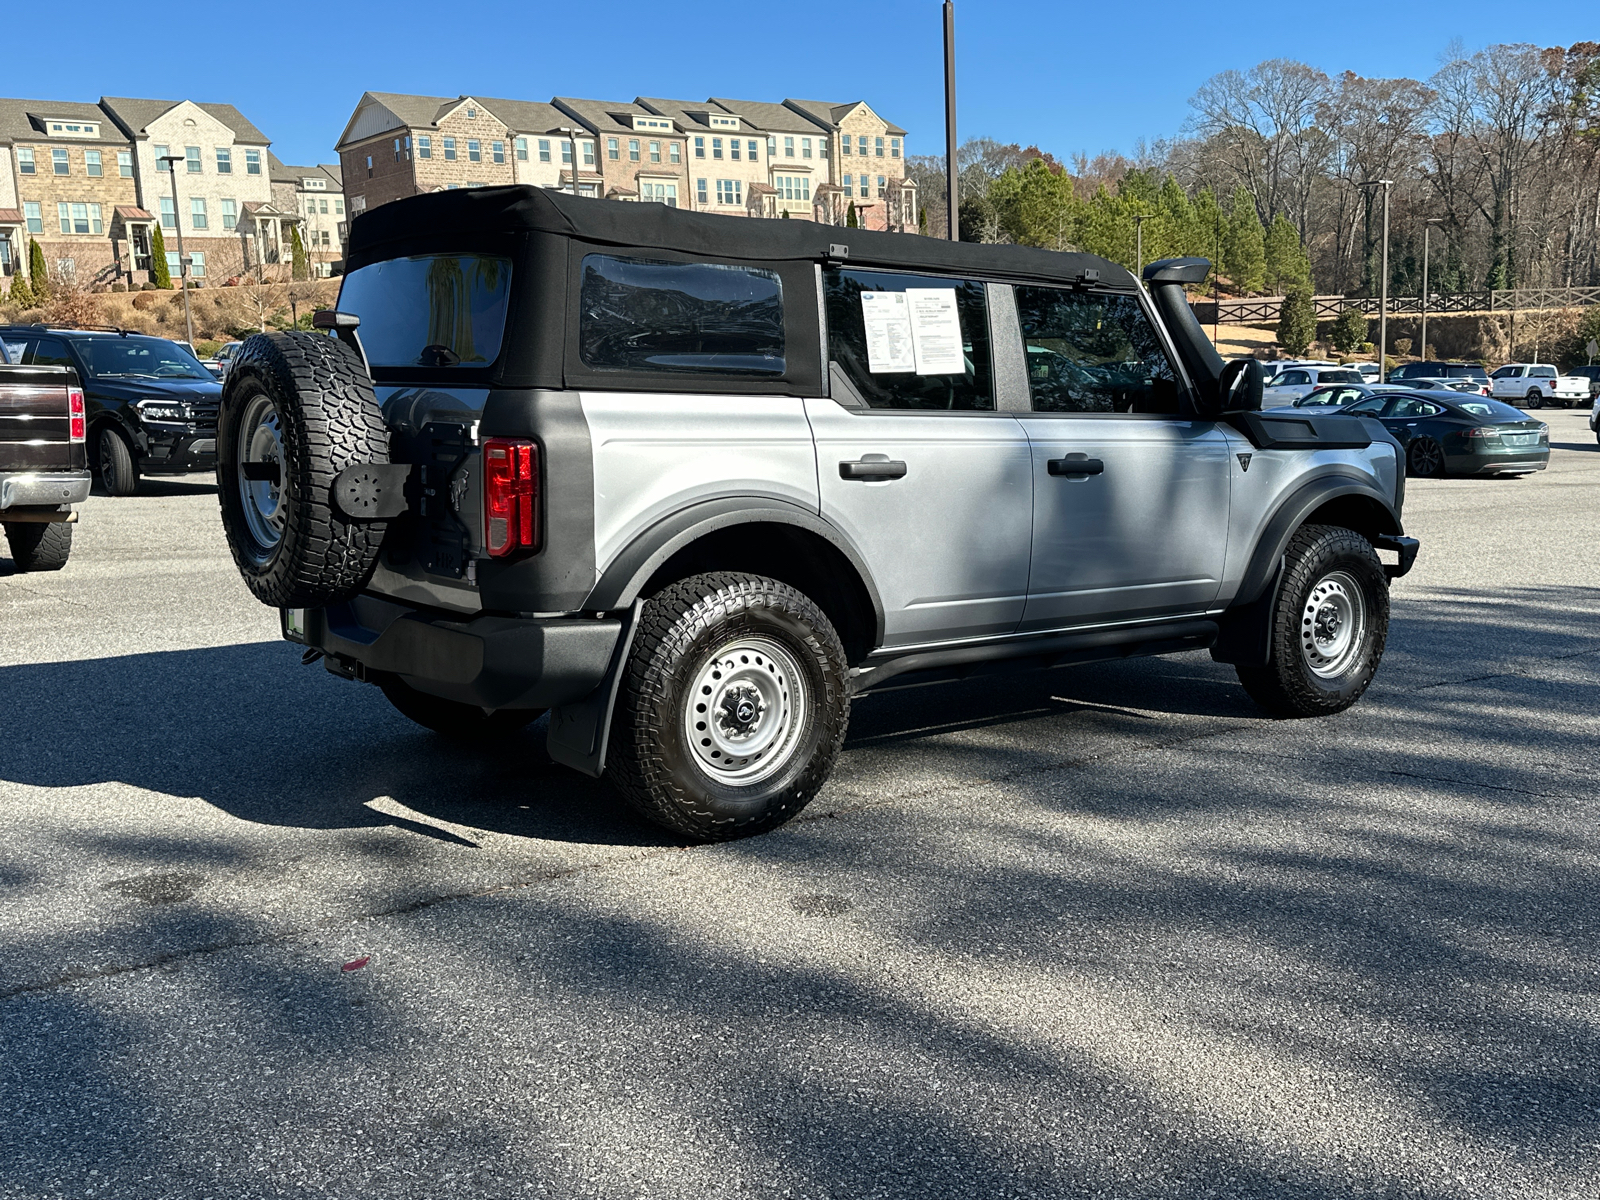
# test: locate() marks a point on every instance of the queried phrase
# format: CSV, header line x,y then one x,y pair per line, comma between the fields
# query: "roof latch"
x,y
837,251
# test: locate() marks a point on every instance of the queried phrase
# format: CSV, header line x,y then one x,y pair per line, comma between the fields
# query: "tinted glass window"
x,y
1370,407
1338,376
1464,373
1319,398
1493,409
134,357
642,315
1412,406
435,310
1291,379
1543,372
1093,353
928,342
48,352
1508,372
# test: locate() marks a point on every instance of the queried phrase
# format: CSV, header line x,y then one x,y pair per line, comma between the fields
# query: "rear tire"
x,y
118,474
1535,400
734,704
451,718
1425,458
1329,626
39,547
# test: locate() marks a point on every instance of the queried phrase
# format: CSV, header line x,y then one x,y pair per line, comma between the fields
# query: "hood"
x,y
157,389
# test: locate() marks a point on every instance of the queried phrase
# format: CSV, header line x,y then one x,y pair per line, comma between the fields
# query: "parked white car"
x,y
1536,384
1288,386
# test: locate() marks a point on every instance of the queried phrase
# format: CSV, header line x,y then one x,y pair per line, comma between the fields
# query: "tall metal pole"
x,y
172,161
1427,228
1216,286
572,140
1383,290
950,120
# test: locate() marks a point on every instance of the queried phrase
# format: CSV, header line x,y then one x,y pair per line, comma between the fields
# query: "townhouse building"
x,y
725,156
795,164
641,153
316,196
867,157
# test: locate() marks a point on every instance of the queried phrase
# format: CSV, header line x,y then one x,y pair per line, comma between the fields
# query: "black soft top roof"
x,y
474,212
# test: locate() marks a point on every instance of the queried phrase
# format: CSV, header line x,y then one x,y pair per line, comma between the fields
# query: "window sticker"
x,y
888,321
936,331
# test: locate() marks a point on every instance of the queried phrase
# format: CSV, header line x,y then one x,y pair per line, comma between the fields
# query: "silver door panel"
x,y
948,542
657,453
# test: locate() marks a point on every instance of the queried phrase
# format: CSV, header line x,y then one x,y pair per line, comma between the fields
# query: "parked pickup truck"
x,y
43,462
1533,385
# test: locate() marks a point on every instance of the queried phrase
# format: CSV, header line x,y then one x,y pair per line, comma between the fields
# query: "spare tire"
x,y
297,408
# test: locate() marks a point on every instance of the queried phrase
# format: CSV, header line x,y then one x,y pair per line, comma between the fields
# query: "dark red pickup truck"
x,y
43,463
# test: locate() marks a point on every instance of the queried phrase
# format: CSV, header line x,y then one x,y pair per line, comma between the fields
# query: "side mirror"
x,y
1240,386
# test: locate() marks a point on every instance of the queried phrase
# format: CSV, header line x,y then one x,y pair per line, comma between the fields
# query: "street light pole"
x,y
1383,282
1427,228
572,137
183,262
952,186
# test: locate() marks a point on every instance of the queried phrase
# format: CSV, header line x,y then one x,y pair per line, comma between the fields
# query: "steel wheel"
x,y
261,442
744,712
1333,625
1425,457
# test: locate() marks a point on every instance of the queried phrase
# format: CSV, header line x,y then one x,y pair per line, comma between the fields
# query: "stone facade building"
x,y
316,196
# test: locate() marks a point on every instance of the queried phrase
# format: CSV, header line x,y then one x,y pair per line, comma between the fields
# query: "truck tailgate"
x,y
36,421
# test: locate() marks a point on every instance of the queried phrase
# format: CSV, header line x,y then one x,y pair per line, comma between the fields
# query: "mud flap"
x,y
581,732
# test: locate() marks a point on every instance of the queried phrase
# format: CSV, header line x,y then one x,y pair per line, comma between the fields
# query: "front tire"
x,y
1329,626
733,707
451,718
118,474
39,547
1425,458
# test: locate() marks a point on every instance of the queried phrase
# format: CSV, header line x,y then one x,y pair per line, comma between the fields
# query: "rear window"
x,y
435,310
1464,373
1339,376
1493,409
1542,372
695,318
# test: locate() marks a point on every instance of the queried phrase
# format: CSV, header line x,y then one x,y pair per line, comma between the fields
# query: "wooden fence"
x,y
1257,309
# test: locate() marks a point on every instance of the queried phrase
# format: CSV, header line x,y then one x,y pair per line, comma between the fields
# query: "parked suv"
x,y
152,407
1297,382
42,472
1591,373
694,484
1450,371
1533,385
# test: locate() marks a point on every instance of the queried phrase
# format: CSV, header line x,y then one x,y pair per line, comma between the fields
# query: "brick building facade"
x,y
316,196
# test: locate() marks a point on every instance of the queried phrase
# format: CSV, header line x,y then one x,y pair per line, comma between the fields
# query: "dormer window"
x,y
78,129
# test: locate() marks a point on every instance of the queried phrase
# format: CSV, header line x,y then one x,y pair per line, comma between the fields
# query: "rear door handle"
x,y
872,468
1076,466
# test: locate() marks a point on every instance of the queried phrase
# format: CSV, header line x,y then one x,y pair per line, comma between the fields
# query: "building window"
x,y
472,114
64,215
733,149
844,144
25,160
613,149
716,147
30,211
369,166
655,152
125,163
424,146
699,189
230,214
161,152
805,147
474,150
729,191
849,185
883,189
497,151
566,154
822,148
772,147
522,149
252,162
672,152
96,225
197,213
169,219
878,144
699,148
397,149
588,154
197,264
752,149
322,205
866,186
633,149
338,206
659,193
449,149
793,187
91,162
894,147
191,157
544,151
58,162
224,161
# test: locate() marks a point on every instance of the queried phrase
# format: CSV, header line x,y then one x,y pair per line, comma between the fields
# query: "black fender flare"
x,y
1246,623
621,583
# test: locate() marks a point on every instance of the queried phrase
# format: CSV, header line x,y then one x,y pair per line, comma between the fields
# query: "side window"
x,y
1092,352
1371,407
48,352
911,341
700,318
1505,373
1292,379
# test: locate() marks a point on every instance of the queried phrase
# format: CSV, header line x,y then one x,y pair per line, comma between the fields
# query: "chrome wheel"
x,y
261,442
1333,625
745,711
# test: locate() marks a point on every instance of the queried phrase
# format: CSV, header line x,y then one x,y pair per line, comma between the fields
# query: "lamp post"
x,y
1138,241
952,184
183,261
572,137
1383,282
1427,228
1216,285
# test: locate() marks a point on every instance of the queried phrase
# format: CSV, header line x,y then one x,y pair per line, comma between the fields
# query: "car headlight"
x,y
163,410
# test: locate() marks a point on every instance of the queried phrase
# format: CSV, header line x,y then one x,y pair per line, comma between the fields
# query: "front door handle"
x,y
872,468
1076,465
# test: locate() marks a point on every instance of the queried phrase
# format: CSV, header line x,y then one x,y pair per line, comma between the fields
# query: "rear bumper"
x,y
19,488
493,662
1493,464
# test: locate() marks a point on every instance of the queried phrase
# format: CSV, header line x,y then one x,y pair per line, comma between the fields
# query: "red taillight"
x,y
510,496
75,409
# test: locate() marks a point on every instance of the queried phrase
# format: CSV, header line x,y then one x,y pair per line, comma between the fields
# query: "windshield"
x,y
1492,409
435,310
144,357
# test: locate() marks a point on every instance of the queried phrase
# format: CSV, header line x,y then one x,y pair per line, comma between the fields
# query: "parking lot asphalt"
x,y
1103,932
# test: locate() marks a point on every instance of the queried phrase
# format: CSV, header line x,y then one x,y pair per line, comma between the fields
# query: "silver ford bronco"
x,y
693,484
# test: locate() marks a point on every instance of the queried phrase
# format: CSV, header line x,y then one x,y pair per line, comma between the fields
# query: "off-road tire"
x,y
118,473
1425,459
1287,686
682,629
451,718
329,419
39,546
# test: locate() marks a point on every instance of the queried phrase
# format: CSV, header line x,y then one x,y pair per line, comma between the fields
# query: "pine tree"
x,y
850,219
39,281
1286,258
1349,330
922,220
784,214
297,252
21,293
1297,320
160,273
1244,246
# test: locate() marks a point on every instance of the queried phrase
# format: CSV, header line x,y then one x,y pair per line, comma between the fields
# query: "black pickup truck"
x,y
43,461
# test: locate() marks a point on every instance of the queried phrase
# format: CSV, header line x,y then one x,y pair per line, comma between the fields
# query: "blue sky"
x,y
1069,77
